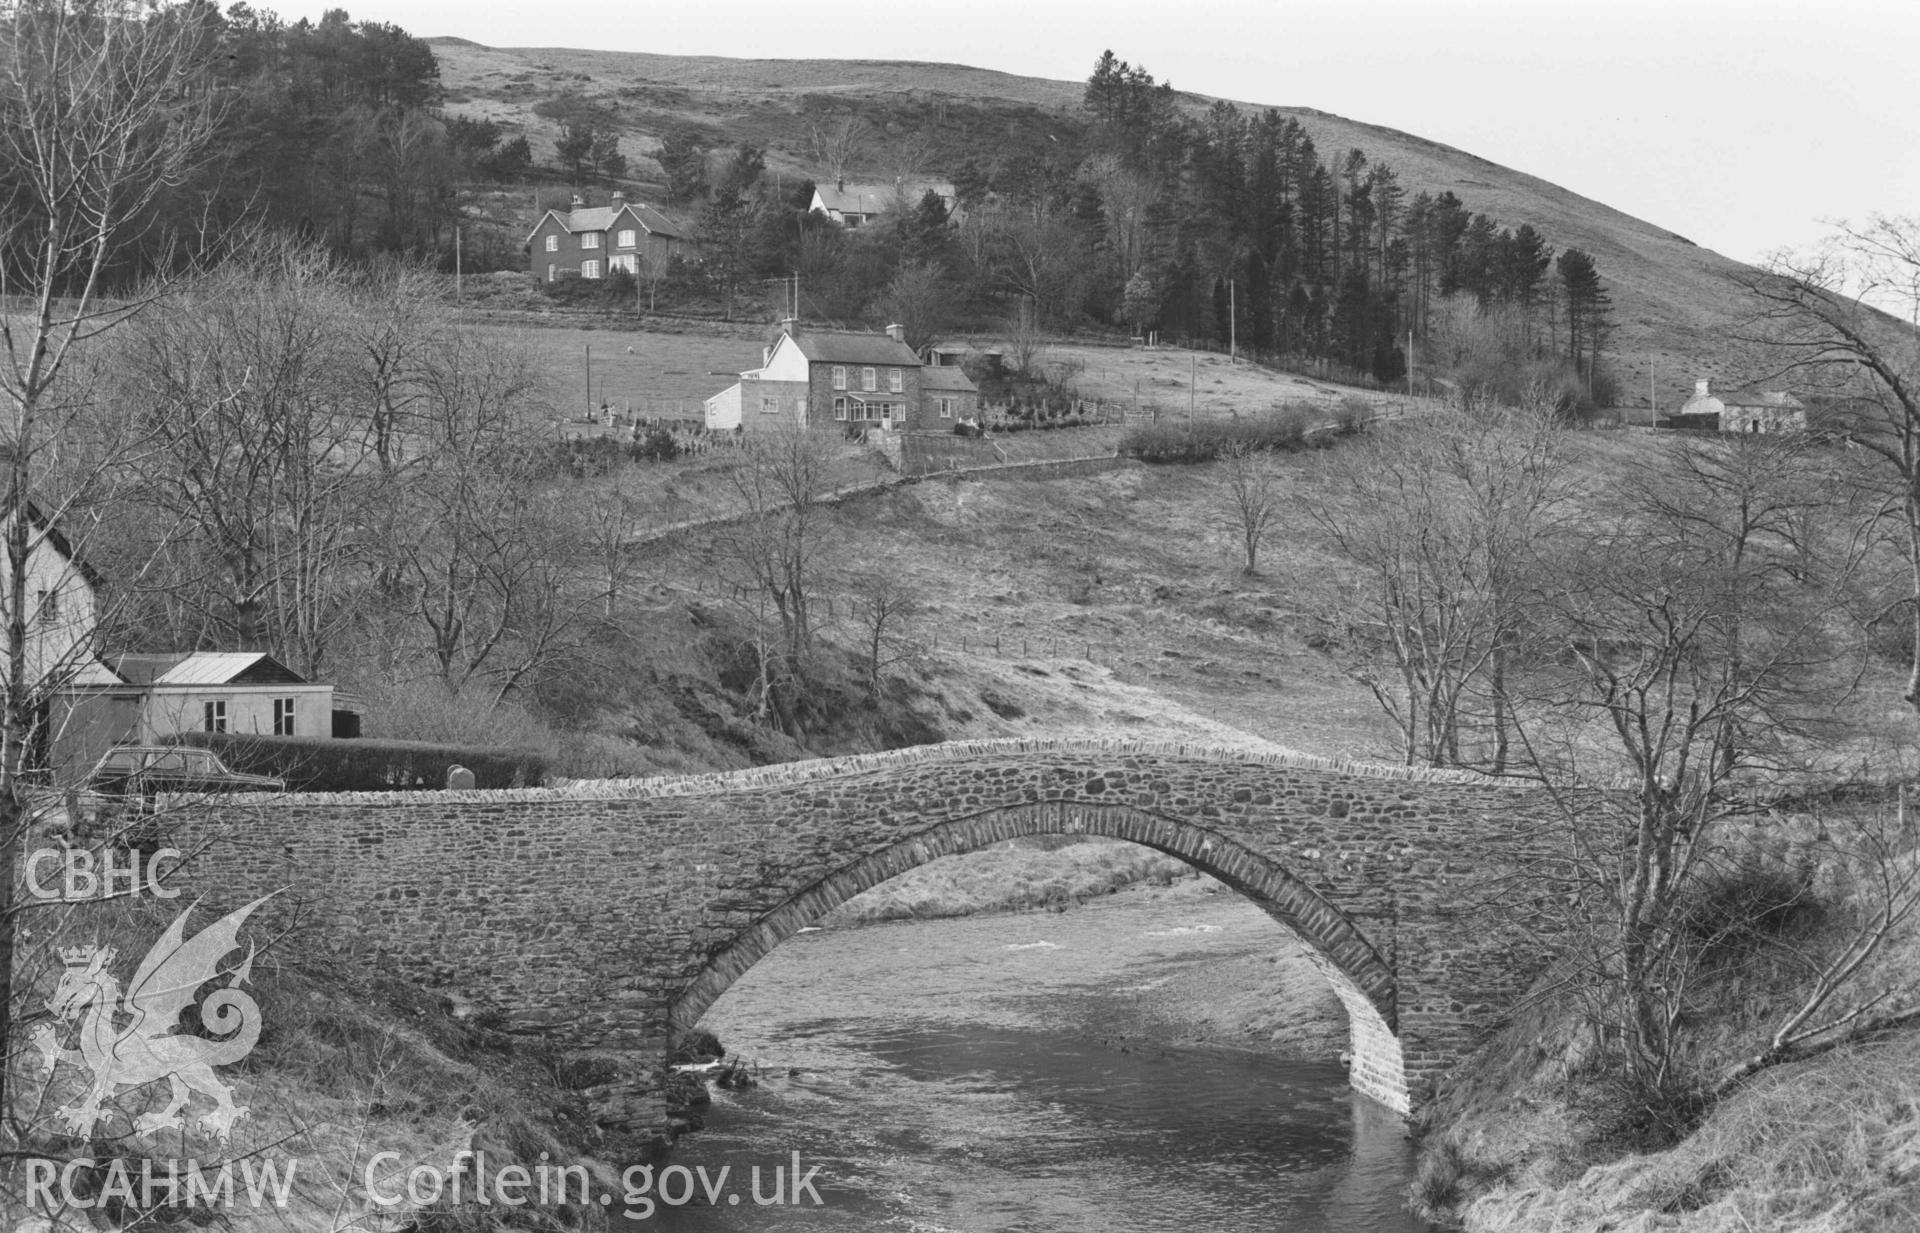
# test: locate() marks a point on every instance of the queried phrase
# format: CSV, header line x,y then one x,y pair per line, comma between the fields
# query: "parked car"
x,y
143,770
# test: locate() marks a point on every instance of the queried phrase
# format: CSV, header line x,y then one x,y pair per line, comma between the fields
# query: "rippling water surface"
x,y
961,1075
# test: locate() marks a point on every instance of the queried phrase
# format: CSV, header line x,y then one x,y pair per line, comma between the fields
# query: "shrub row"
x,y
1206,440
594,457
1041,425
320,764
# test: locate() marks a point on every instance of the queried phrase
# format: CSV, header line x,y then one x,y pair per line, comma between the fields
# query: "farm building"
x,y
224,691
594,241
1742,410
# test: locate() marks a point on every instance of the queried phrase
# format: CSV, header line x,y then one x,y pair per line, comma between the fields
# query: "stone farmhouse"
x,y
1741,410
861,382
594,241
855,205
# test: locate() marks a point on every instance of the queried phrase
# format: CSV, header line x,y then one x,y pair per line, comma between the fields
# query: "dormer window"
x,y
589,239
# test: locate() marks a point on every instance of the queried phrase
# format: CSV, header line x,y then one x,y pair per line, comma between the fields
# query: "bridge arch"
x,y
1360,975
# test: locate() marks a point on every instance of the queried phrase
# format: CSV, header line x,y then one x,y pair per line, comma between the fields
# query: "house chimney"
x,y
578,201
897,332
1701,387
619,199
790,326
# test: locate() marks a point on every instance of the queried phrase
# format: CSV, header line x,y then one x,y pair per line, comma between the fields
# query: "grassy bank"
x,y
1537,1132
354,1067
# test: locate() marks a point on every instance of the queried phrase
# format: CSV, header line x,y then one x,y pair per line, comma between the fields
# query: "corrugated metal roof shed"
x,y
229,668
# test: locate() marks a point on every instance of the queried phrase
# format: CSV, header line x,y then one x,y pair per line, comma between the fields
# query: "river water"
x,y
999,1073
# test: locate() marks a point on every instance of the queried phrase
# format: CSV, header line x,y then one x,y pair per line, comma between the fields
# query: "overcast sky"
x,y
1741,126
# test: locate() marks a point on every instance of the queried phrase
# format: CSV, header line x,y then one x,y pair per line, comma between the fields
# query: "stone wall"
x,y
610,915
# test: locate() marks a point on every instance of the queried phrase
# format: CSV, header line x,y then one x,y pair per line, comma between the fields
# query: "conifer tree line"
x,y
1314,254
1138,215
331,130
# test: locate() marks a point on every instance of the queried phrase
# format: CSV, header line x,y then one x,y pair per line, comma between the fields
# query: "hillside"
x,y
1671,299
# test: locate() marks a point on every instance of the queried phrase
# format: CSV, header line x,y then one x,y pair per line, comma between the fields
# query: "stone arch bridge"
x,y
610,915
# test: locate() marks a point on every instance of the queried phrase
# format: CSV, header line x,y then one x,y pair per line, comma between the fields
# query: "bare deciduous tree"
x,y
775,552
836,142
485,553
1253,498
1696,658
264,451
918,298
1442,519
1846,320
881,603
104,108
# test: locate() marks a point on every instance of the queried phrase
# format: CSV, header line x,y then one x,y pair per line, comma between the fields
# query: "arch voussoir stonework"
x,y
608,916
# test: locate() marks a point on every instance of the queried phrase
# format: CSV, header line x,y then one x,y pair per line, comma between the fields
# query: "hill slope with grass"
x,y
1672,301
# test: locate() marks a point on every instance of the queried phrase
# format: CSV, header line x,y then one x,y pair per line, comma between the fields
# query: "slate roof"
x,y
1757,398
947,377
600,218
824,347
879,198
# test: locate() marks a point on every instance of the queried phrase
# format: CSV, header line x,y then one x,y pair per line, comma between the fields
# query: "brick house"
x,y
593,241
868,382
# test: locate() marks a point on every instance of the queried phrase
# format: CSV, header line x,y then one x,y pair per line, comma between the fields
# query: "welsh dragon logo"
x,y
148,1049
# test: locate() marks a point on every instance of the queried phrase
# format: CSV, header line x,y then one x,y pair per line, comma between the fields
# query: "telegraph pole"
x,y
1233,325
589,380
457,296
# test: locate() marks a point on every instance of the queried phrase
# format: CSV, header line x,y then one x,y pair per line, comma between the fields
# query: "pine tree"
x,y
1588,307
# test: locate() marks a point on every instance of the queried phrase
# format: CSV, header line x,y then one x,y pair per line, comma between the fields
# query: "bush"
x,y
570,288
1206,440
1729,910
600,456
320,764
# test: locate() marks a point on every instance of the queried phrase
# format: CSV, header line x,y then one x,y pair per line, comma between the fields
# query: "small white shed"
x,y
226,691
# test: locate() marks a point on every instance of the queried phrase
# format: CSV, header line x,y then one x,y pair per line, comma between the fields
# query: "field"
x,y
667,372
652,372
